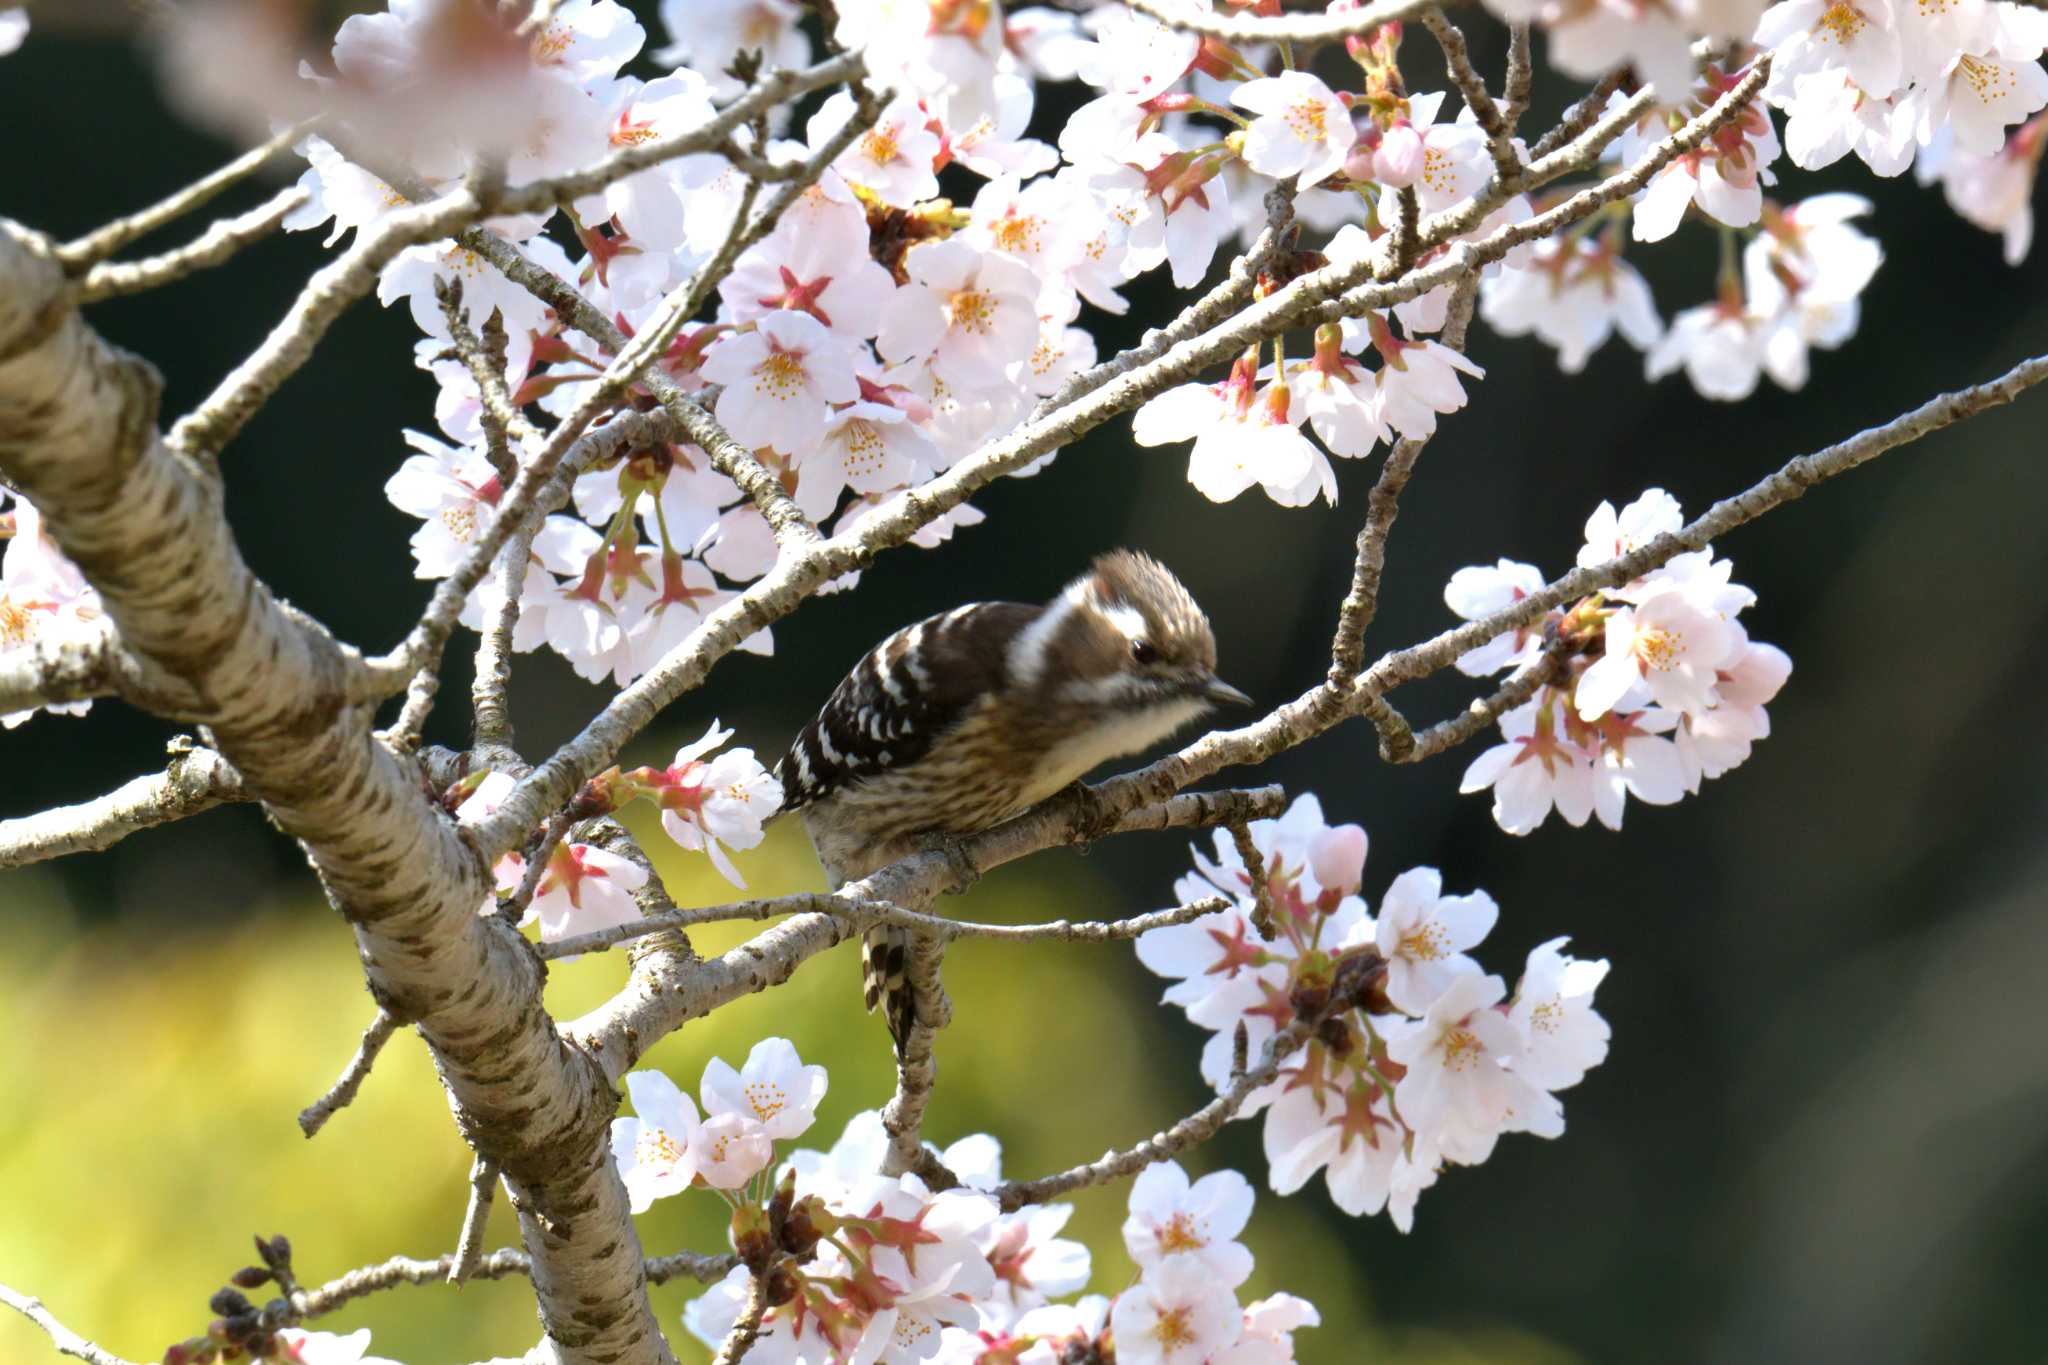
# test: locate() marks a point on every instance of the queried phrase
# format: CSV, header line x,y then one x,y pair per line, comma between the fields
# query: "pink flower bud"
x,y
1337,857
1398,162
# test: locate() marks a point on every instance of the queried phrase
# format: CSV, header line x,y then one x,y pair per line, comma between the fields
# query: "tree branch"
x,y
196,780
1347,647
469,1245
343,1092
662,997
1191,1131
219,242
100,244
63,1338
1283,28
865,914
145,526
1325,706
917,1069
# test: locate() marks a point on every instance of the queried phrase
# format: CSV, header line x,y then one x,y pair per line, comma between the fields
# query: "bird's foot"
x,y
954,848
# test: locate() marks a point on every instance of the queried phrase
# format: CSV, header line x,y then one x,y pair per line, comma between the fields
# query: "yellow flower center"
x,y
1307,120
1017,235
780,376
656,1148
1181,1234
766,1099
1462,1049
1173,1330
1842,22
972,311
1425,943
1659,648
16,625
879,146
460,519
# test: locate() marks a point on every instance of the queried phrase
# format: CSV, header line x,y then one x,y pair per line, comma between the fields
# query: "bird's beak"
x,y
1219,691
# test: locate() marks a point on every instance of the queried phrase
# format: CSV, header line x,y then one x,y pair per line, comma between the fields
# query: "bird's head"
x,y
1124,645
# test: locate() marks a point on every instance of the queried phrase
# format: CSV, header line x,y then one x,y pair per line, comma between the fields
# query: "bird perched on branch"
x,y
955,724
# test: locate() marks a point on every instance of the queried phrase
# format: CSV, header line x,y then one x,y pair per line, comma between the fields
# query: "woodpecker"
x,y
963,720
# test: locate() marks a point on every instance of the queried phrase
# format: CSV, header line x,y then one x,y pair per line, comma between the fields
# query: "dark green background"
x,y
1820,1132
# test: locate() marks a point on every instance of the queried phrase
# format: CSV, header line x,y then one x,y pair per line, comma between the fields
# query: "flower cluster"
x,y
44,599
873,1268
1661,687
1414,1057
707,805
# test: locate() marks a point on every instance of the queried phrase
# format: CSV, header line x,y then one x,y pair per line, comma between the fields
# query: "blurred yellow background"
x,y
153,1090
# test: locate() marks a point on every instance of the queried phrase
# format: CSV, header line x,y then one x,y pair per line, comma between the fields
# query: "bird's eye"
x,y
1142,651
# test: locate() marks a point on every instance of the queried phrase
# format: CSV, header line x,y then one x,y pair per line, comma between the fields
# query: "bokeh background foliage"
x,y
1820,1135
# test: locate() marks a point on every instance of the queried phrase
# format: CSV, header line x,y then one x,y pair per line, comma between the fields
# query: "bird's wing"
x,y
898,701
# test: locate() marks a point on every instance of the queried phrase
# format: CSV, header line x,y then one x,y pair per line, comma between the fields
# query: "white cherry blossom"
x,y
653,1145
1173,1219
1302,129
780,379
774,1089
1423,934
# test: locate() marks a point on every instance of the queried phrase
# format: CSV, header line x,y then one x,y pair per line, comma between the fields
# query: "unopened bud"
x,y
752,1237
250,1277
229,1302
782,1286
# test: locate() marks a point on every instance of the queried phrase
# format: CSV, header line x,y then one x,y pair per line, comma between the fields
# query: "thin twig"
x,y
860,914
1347,646
221,240
63,1338
744,1332
917,1069
1580,116
503,1263
469,1246
1191,1131
538,855
101,243
1255,874
1520,78
315,1115
196,780
1282,28
1521,685
1325,706
1507,167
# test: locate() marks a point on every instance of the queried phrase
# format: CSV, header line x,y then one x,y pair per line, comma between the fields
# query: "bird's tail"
x,y
885,980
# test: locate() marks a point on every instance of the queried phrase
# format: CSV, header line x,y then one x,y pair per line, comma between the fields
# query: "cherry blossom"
x,y
1668,649
1173,1219
1563,1038
716,804
893,159
44,599
302,1347
1573,295
583,888
972,314
1303,130
13,29
1479,592
653,1145
1174,1316
707,34
1240,440
1423,934
774,1090
1461,1080
1539,766
780,378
